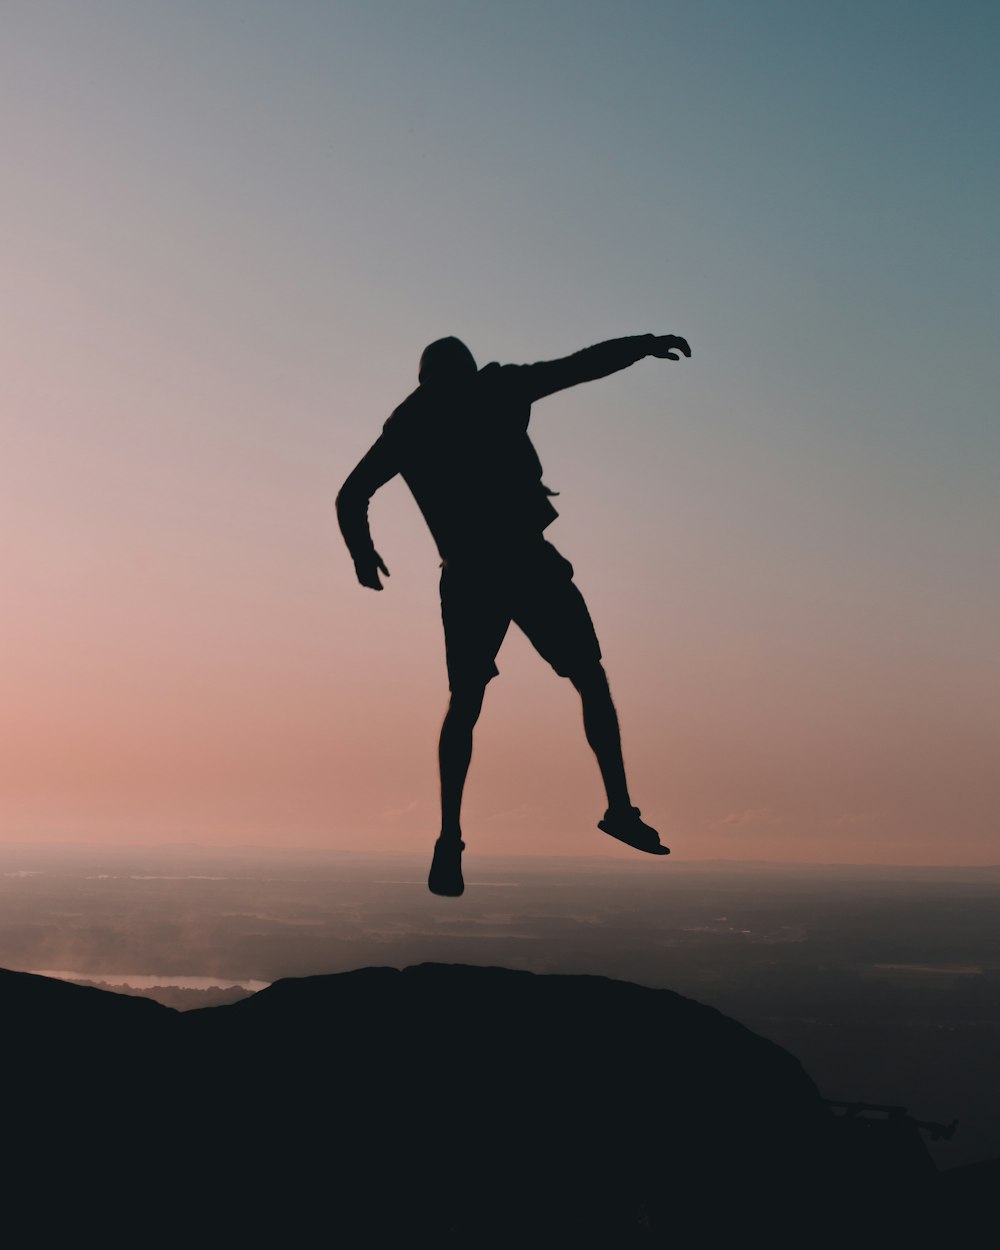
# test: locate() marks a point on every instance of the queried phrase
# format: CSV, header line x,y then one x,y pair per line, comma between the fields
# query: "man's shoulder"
x,y
404,414
495,372
507,383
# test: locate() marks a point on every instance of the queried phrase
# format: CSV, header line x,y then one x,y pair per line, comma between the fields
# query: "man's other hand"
x,y
666,347
368,570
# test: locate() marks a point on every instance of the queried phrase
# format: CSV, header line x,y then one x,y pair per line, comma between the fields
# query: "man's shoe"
x,y
626,826
446,868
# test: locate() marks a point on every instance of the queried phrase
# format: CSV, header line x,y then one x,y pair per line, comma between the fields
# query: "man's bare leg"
x,y
454,757
455,754
600,722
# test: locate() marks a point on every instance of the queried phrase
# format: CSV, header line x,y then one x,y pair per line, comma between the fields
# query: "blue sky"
x,y
233,226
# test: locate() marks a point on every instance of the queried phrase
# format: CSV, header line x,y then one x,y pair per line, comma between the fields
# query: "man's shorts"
x,y
535,590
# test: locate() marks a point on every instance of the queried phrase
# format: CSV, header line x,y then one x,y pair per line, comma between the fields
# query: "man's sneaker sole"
x,y
638,840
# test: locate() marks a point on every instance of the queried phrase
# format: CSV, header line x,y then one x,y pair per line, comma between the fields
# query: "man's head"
x,y
446,360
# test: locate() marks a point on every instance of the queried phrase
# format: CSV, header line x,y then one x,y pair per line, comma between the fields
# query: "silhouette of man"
x,y
460,441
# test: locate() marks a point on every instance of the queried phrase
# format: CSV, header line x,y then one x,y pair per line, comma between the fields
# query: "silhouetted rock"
x,y
969,1201
471,1106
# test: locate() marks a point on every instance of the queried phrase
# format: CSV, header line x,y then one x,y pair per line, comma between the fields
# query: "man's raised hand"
x,y
666,347
368,570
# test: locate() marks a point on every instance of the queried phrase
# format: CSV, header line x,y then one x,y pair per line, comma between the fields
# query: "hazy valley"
x,y
884,982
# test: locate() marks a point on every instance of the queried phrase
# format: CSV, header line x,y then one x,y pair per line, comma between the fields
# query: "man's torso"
x,y
466,456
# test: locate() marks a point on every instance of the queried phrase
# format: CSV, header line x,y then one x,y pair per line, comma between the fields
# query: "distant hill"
x,y
468,1106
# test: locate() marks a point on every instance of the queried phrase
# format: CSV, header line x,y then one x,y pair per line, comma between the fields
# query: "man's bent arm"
x,y
374,469
599,361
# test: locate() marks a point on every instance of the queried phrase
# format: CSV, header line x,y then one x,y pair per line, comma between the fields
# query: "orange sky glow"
x,y
227,248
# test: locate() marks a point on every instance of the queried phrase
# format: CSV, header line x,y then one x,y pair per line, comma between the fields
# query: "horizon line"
x,y
490,855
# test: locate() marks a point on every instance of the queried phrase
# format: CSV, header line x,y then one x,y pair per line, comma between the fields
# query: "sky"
x,y
228,230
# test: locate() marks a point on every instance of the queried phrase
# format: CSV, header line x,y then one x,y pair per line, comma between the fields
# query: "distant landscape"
x,y
884,982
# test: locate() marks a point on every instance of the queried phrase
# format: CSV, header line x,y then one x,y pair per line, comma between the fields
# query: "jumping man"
x,y
460,441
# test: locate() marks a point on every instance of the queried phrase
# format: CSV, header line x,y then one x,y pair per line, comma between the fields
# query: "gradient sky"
x,y
228,229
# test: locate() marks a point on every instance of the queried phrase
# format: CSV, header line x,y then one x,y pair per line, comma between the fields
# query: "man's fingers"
x,y
667,346
368,574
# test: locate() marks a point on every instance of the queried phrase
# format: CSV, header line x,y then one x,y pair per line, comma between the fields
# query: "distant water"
x,y
153,981
135,876
955,970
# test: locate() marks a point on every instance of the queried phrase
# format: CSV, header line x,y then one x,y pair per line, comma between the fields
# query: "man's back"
x,y
464,451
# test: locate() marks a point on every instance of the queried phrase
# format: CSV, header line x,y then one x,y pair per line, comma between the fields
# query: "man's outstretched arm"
x,y
550,376
374,469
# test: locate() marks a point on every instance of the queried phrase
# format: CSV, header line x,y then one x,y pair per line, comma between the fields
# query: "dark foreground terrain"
x,y
884,982
449,1104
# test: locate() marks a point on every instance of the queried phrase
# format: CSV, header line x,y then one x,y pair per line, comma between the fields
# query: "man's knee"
x,y
467,701
589,676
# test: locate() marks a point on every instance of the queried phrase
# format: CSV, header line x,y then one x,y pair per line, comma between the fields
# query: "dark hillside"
x,y
474,1106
